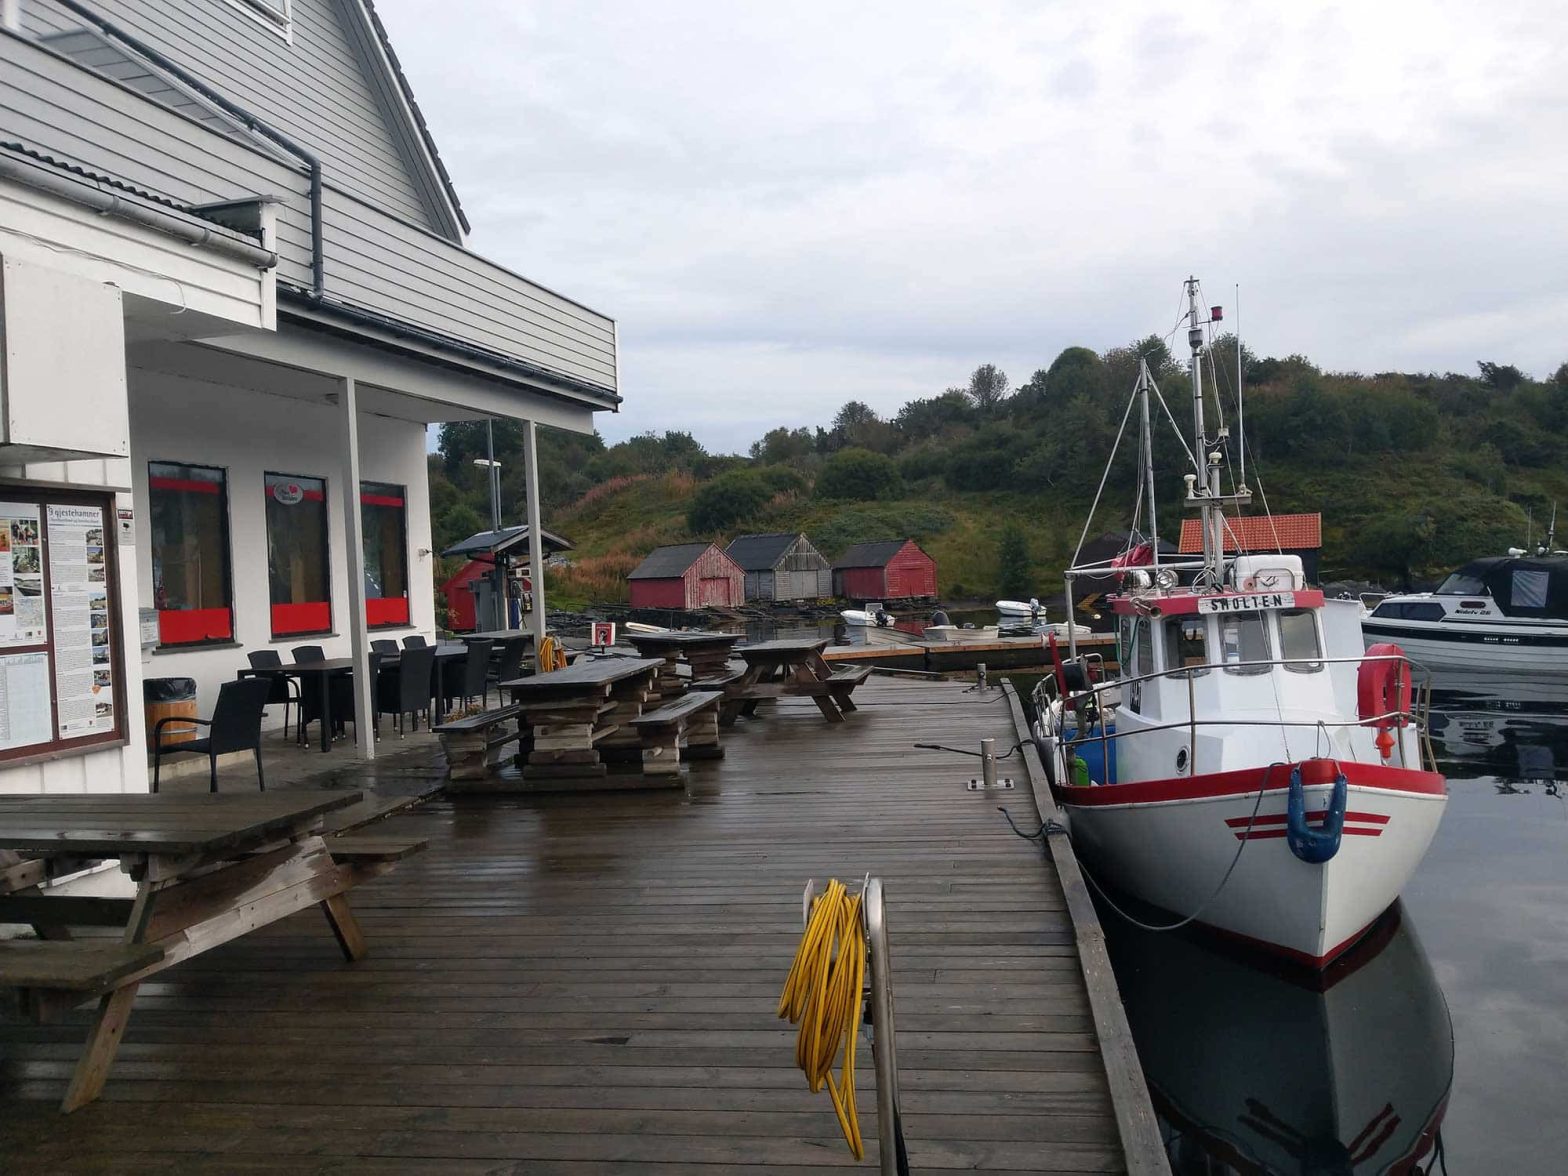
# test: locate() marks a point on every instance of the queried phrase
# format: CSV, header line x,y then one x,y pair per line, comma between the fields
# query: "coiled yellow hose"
x,y
823,995
550,656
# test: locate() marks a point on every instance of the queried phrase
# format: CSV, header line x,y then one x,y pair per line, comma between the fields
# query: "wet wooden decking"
x,y
587,984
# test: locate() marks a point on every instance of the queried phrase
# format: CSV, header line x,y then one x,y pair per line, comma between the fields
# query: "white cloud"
x,y
786,206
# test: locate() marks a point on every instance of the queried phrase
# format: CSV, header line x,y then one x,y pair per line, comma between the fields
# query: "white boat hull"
x,y
1018,608
1493,648
955,633
1171,844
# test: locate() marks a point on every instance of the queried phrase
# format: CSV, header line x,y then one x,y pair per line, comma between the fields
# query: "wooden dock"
x,y
584,984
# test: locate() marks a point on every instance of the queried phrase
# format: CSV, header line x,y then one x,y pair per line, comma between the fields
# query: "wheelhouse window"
x,y
1299,643
298,566
191,586
383,510
1244,639
1463,583
1528,589
1187,646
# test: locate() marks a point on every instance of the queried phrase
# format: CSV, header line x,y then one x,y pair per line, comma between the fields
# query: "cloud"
x,y
786,206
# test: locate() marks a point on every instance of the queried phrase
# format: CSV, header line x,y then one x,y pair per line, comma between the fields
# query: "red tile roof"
x,y
1291,532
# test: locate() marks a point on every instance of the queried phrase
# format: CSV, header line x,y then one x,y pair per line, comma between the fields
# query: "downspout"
x,y
251,122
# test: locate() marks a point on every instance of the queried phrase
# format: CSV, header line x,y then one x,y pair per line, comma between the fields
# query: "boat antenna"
x,y
1203,485
1551,531
1241,396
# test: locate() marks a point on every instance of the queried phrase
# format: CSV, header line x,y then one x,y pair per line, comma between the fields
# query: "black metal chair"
x,y
283,689
384,645
408,690
415,642
235,726
476,671
509,664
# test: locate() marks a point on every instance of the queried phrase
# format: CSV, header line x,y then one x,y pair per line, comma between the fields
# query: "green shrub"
x,y
731,498
859,475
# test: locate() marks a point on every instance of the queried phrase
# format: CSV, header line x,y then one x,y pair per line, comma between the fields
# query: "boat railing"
x,y
1418,713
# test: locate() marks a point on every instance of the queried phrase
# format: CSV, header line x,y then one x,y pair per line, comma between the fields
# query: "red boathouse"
x,y
687,575
892,569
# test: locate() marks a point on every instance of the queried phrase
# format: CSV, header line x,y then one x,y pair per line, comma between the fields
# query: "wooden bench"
x,y
687,727
832,694
51,975
473,744
723,682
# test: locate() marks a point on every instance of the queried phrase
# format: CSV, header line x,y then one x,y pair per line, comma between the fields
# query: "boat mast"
x,y
1203,486
1144,380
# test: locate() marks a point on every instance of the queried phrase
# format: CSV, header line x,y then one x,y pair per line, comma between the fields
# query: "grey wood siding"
x,y
315,90
374,260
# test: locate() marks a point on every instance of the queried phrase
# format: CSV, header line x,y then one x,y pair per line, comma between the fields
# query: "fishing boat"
x,y
1250,766
1502,613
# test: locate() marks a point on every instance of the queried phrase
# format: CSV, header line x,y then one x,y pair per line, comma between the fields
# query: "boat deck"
x,y
588,983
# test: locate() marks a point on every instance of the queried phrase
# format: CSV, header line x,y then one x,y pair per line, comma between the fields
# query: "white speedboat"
x,y
1504,613
872,616
1020,608
1262,774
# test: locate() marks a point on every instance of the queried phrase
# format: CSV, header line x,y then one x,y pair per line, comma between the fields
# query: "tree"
x,y
1502,376
859,475
731,498
783,446
1015,574
987,387
933,415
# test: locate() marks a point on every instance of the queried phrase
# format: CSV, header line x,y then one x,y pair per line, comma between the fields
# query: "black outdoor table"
x,y
208,868
322,671
496,635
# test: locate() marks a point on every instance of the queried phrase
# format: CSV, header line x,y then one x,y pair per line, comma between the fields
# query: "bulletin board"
x,y
62,677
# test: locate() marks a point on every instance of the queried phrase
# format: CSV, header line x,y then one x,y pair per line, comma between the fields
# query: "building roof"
x,y
759,553
1288,532
504,541
870,555
668,563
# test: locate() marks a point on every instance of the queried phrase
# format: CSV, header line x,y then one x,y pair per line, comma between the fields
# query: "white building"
x,y
233,293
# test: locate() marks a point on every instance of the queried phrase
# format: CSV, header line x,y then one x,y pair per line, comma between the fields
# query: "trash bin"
x,y
164,698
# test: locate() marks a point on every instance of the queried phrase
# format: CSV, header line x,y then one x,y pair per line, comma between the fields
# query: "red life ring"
x,y
1383,688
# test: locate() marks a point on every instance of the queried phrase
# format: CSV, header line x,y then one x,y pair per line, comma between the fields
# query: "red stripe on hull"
x,y
1279,818
1270,834
1246,780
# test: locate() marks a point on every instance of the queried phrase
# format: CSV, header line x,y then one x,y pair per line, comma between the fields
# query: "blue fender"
x,y
1315,846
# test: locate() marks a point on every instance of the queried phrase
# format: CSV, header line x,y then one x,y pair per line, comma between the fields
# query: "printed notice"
x,y
83,659
24,700
22,610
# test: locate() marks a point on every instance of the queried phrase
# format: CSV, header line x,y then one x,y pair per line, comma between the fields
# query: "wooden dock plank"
x,y
586,983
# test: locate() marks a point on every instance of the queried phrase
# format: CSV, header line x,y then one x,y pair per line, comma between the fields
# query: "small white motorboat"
x,y
960,633
639,627
1020,608
873,615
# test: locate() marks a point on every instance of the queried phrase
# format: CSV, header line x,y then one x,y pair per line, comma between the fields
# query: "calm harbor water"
x,y
1445,1035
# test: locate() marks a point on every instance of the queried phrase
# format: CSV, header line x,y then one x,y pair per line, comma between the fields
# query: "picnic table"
x,y
708,655
790,666
208,868
578,714
322,671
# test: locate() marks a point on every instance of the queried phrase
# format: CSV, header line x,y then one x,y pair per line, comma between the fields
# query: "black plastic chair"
x,y
282,689
308,653
235,726
384,645
509,664
476,671
415,670
415,642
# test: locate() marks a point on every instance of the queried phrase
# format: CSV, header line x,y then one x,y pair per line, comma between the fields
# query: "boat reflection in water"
x,y
1256,1069
1509,728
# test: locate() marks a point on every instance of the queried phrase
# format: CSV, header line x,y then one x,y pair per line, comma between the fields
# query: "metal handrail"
x,y
1418,715
884,1045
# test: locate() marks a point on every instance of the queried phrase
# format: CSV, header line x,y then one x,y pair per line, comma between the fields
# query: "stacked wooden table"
x,y
580,716
708,655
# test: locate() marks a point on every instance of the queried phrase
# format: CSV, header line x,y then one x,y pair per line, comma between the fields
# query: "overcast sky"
x,y
787,206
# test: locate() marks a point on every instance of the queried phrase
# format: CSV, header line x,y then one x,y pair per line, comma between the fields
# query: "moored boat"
x,y
1260,773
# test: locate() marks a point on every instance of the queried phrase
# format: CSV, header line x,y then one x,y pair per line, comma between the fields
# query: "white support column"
x,y
535,527
354,533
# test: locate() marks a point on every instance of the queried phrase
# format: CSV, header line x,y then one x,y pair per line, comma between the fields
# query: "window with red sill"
x,y
384,515
191,582
299,566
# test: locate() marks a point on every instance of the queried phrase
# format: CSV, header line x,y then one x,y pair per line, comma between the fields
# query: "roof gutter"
x,y
109,204
318,270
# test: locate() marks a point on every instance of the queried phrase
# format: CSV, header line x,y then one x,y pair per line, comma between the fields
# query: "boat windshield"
x,y
1463,583
1244,638
1298,638
1187,645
